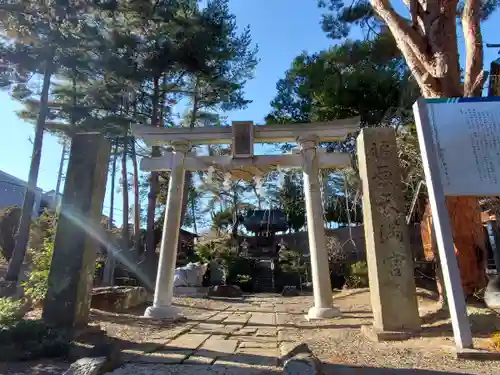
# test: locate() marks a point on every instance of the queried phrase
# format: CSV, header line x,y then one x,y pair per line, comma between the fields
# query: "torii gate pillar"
x,y
323,304
162,302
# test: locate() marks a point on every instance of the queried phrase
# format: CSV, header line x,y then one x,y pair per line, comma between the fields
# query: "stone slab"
x,y
219,317
221,346
246,331
262,345
257,356
260,319
199,360
286,347
388,252
168,334
163,357
214,328
187,341
118,298
282,318
254,338
237,318
212,349
271,332
287,335
377,335
474,354
281,309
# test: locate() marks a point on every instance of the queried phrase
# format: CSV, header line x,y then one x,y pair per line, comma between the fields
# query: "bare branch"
x,y
401,30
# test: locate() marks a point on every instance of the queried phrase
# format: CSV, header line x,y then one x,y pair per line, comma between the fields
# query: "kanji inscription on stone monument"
x,y
390,264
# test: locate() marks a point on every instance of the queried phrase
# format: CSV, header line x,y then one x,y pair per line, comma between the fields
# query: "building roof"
x,y
272,220
8,178
188,233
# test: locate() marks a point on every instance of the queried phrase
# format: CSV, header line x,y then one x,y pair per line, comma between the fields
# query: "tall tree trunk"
x,y
23,232
137,204
59,175
109,267
113,180
468,241
192,123
153,182
193,215
126,206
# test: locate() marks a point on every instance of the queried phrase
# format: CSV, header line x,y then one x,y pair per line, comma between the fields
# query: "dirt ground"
x,y
281,324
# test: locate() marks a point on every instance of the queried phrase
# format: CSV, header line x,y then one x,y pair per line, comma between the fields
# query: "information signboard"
x,y
466,138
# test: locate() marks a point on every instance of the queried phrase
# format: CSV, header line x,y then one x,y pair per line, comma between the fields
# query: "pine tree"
x,y
37,38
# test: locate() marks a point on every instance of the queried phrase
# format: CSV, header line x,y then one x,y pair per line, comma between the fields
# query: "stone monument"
x,y
388,253
67,303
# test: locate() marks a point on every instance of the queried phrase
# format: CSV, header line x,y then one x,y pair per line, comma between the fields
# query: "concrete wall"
x,y
356,248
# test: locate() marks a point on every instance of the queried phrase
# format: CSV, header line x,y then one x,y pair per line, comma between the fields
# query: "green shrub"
x,y
32,339
9,221
10,311
43,229
238,270
358,275
35,288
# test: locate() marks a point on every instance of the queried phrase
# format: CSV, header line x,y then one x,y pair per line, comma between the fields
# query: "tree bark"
x,y
193,214
469,241
126,206
430,48
189,177
113,179
60,172
137,204
23,232
475,76
108,277
153,182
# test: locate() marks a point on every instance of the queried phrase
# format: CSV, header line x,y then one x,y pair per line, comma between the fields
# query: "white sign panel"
x,y
445,167
466,135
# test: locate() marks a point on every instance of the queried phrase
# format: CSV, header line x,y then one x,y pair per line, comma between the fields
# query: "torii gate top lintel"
x,y
325,131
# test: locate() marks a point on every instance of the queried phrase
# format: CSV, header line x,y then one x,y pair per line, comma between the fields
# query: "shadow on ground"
x,y
437,323
132,319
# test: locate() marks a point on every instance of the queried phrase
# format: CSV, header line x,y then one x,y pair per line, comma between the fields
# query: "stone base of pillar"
x,y
378,335
163,312
316,313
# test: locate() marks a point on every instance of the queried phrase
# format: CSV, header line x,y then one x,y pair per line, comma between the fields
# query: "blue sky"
x,y
281,28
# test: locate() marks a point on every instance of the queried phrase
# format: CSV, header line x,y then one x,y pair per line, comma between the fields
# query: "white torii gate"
x,y
242,136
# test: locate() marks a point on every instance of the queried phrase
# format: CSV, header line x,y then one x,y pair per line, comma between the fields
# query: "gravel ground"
x,y
343,344
133,369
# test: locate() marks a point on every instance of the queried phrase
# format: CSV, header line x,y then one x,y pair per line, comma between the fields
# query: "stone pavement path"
x,y
251,332
246,336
